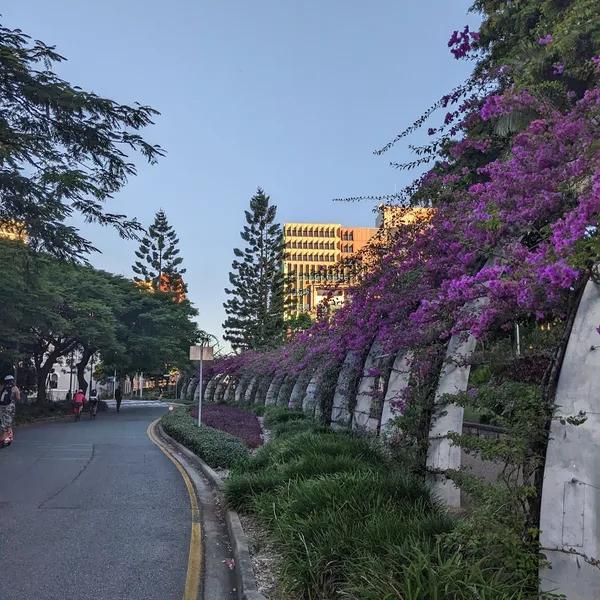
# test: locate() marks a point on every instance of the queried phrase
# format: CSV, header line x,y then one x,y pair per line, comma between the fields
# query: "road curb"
x,y
244,572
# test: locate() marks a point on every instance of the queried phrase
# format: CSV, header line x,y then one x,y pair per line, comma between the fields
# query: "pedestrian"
x,y
69,396
9,396
94,401
118,397
79,399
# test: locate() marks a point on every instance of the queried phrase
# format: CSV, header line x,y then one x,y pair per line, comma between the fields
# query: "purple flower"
x,y
558,69
596,61
545,41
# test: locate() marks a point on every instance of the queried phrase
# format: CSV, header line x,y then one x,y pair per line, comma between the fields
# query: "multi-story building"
x,y
314,254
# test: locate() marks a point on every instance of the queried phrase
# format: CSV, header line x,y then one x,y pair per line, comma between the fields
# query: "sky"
x,y
291,96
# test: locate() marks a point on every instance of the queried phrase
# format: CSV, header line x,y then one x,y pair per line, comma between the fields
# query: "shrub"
x,y
279,414
238,422
30,413
217,448
293,427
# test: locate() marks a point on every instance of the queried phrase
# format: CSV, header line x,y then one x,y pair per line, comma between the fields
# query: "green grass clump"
x,y
291,427
274,415
217,448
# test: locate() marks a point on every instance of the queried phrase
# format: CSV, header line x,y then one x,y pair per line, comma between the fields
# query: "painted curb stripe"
x,y
194,568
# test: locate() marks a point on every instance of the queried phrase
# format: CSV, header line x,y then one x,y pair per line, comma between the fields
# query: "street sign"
x,y
201,353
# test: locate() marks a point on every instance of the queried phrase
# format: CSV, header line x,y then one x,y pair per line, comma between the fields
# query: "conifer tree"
x,y
159,261
255,308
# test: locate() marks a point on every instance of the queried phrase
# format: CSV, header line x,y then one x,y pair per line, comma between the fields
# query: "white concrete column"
x,y
366,388
229,395
251,389
340,415
273,389
220,388
570,511
309,402
263,388
443,453
240,389
399,379
299,390
209,390
285,390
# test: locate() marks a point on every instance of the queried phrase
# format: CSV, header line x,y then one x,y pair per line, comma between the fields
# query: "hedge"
x,y
217,448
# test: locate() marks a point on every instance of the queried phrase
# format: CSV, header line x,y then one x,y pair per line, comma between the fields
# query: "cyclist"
x,y
79,399
94,401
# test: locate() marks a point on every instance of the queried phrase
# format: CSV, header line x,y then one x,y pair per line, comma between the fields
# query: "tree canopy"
x,y
63,150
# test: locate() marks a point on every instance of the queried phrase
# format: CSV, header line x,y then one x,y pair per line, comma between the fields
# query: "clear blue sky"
x,y
292,96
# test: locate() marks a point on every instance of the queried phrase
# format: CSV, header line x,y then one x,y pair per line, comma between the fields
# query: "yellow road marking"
x,y
194,569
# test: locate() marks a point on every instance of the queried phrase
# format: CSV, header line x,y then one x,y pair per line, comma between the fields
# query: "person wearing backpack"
x,y
79,399
118,398
94,401
9,396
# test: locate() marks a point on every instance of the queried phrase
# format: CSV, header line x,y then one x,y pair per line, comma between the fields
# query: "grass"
x,y
30,413
346,521
217,448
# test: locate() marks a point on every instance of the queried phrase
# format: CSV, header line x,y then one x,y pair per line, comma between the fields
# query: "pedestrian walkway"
x,y
92,511
137,404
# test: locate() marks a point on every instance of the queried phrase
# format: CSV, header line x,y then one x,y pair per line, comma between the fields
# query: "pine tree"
x,y
255,309
159,261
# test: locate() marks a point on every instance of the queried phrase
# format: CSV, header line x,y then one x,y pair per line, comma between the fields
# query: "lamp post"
x,y
201,353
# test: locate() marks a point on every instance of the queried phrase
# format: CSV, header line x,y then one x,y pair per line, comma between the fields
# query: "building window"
x,y
310,233
289,231
294,257
345,236
306,258
322,260
351,236
327,233
305,232
345,248
351,247
310,245
321,233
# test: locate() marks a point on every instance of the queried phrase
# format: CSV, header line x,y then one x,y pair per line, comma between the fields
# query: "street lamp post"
x,y
201,353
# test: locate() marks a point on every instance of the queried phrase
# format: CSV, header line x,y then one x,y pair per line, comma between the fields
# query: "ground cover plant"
x,y
239,422
347,521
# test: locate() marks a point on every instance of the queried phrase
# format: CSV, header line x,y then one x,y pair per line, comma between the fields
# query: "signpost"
x,y
200,353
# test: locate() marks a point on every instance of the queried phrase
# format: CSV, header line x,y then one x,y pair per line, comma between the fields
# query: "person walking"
x,y
118,397
94,401
9,396
79,399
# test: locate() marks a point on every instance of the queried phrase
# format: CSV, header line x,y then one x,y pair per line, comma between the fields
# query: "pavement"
x,y
93,510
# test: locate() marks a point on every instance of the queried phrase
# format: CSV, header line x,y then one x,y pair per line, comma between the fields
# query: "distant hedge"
x,y
217,448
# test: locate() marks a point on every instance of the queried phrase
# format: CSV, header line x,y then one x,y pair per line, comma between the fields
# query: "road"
x,y
92,511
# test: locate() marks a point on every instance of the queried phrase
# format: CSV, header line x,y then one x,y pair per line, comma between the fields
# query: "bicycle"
x,y
93,409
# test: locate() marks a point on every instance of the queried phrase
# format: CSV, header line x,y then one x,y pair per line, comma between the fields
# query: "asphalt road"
x,y
92,511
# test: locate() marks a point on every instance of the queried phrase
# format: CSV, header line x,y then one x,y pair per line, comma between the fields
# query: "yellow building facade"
x,y
315,253
313,265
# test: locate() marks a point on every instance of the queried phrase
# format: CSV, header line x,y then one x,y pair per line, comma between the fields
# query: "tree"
x,y
63,149
255,309
153,333
159,261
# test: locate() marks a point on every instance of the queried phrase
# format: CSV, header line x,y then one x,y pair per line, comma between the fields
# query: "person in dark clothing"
x,y
118,398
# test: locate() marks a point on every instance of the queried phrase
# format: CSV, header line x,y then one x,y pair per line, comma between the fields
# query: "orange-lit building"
x,y
314,255
13,231
166,285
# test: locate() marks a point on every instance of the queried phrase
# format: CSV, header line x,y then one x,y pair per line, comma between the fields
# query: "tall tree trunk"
x,y
82,384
